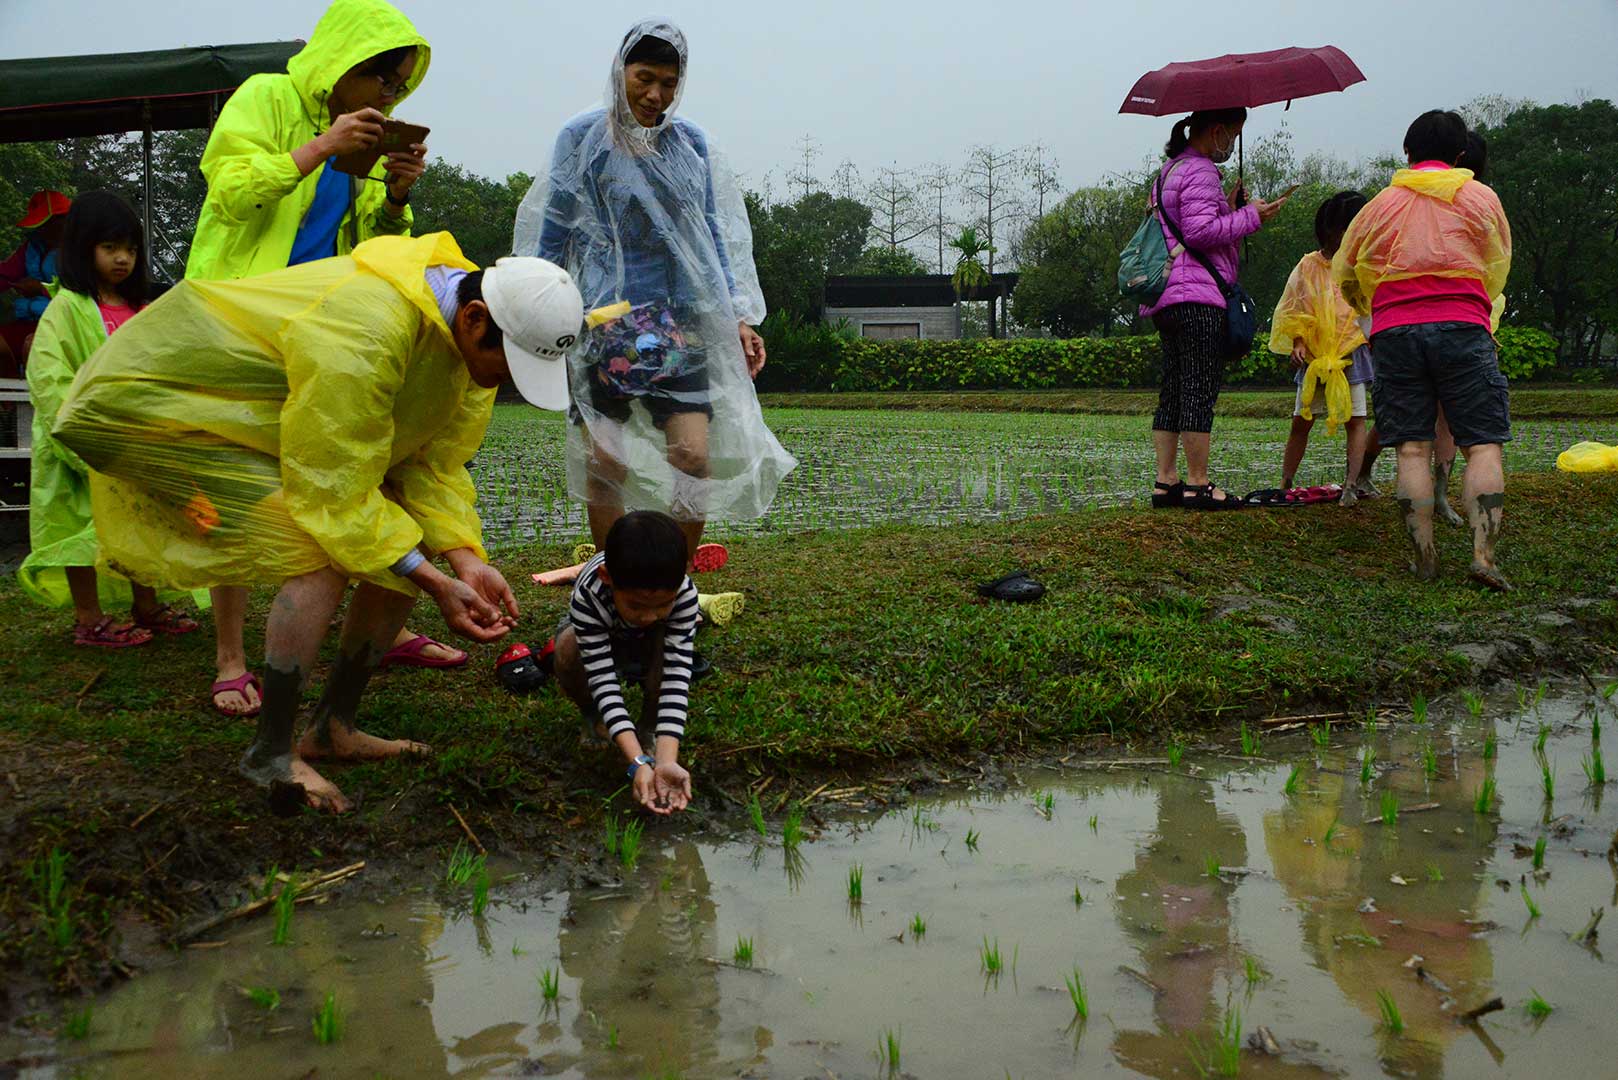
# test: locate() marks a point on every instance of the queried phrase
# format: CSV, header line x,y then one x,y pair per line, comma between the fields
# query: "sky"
x,y
899,82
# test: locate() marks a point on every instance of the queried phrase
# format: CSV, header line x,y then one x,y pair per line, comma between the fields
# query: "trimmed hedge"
x,y
835,363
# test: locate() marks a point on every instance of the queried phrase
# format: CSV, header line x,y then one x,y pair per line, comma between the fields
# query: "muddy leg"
x,y
298,620
571,677
1292,456
1416,505
373,622
1443,466
1484,493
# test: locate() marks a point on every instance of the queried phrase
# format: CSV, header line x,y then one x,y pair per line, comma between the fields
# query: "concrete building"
x,y
896,308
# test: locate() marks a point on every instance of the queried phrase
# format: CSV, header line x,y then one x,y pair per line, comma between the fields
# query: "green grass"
x,y
1290,786
1595,770
743,953
1392,1021
1418,709
480,892
328,1020
550,984
1429,761
1434,873
856,884
76,1025
755,814
265,997
1253,971
972,838
629,844
1483,801
1210,866
1528,902
1539,853
463,866
1045,803
1547,778
1076,993
1390,808
1174,750
285,902
1474,703
1222,1056
1251,741
888,1050
1538,1007
1540,738
993,962
610,833
1321,735
918,926
1491,746
1367,764
792,827
53,900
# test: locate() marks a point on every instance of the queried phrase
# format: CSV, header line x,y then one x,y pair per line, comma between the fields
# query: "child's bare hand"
x,y
671,788
643,787
1300,355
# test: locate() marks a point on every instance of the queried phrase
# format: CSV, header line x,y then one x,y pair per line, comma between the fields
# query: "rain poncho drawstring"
x,y
651,224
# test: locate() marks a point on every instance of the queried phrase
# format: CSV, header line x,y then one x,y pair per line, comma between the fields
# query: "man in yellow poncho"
x,y
310,427
1426,259
276,199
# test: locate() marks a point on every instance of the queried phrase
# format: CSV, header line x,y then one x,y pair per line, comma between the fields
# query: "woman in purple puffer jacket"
x,y
1190,315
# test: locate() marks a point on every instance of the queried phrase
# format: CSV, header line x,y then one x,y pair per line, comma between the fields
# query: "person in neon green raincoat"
x,y
307,428
274,199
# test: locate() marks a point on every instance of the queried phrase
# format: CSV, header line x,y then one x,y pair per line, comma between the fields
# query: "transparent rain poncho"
x,y
651,224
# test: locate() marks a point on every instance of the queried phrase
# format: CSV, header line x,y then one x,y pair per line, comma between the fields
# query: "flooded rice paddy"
x,y
861,468
1340,902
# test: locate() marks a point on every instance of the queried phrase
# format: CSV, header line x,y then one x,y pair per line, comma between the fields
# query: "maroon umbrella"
x,y
1242,80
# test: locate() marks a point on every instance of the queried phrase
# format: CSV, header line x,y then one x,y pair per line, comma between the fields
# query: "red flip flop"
x,y
409,654
239,684
708,558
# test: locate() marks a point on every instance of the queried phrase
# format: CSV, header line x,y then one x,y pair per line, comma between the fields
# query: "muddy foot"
x,y
1444,512
1425,570
1349,497
356,745
1489,577
293,784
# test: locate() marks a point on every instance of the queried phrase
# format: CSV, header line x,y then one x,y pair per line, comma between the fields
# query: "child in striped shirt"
x,y
633,617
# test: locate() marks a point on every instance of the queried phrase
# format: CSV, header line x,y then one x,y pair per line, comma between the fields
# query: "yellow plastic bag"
x,y
1588,457
244,432
1312,309
1426,223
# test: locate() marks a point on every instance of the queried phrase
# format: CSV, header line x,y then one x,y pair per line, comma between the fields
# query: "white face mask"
x,y
1221,154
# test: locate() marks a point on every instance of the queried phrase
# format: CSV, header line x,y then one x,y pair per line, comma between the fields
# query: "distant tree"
x,y
845,180
1041,171
990,184
938,183
1068,270
897,214
885,262
797,245
802,177
476,210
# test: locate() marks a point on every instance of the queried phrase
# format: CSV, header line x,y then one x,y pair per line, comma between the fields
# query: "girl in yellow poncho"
x,y
103,286
1315,326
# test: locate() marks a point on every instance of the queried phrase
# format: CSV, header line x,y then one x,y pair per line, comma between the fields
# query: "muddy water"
x,y
647,986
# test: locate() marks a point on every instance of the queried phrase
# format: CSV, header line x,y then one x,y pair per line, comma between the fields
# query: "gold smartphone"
x,y
396,136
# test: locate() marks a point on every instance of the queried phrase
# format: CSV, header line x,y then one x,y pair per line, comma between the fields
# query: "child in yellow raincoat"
x,y
1427,259
103,285
1316,328
311,427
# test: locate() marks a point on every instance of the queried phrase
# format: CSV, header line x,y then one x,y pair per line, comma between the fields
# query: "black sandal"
x,y
1167,495
1200,497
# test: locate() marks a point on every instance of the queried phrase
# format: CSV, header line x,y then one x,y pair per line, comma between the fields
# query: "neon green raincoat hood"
x,y
256,196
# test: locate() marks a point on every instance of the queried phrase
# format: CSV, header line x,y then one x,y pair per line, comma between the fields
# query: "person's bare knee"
x,y
570,668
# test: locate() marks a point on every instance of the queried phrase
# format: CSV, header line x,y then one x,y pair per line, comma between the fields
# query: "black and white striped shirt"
x,y
597,623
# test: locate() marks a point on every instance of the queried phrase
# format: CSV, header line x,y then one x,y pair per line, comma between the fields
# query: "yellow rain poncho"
x,y
256,197
1312,309
1426,223
1587,457
246,432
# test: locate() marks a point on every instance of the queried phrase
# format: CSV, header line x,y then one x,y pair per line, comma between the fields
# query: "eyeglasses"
x,y
390,87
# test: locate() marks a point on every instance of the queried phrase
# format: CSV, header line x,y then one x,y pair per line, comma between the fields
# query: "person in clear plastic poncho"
x,y
1428,259
309,428
640,207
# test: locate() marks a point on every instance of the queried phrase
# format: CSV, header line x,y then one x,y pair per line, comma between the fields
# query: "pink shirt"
x,y
1429,299
114,315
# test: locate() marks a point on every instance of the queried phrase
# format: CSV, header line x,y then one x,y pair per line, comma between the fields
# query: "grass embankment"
x,y
856,648
1527,403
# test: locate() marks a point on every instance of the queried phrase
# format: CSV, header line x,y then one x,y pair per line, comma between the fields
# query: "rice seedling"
x,y
918,926
755,814
743,954
1538,1007
550,984
1595,770
480,892
1522,698
283,912
1175,750
1547,778
1483,802
1528,902
1434,874
1321,734
1595,730
971,839
609,833
1418,709
612,1037
463,865
1078,897
77,1025
1224,1056
1210,866
265,997
1539,853
792,827
1610,689
48,874
267,890
629,844
887,1050
1076,992
856,884
993,962
1539,739
1045,803
1331,832
1429,761
1093,819
1390,808
328,1020
517,950
1367,764
1251,742
1291,785
1392,1020
1491,746
1253,971
1474,703
1540,692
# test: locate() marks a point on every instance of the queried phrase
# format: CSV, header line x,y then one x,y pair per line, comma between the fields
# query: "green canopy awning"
x,y
63,97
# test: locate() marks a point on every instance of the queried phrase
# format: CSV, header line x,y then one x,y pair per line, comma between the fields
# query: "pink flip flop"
x,y
409,654
239,684
708,558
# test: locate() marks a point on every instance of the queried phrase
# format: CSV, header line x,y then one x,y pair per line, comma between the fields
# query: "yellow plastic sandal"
x,y
721,608
583,552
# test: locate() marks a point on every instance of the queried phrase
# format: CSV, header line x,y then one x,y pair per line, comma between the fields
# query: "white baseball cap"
x,y
539,311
